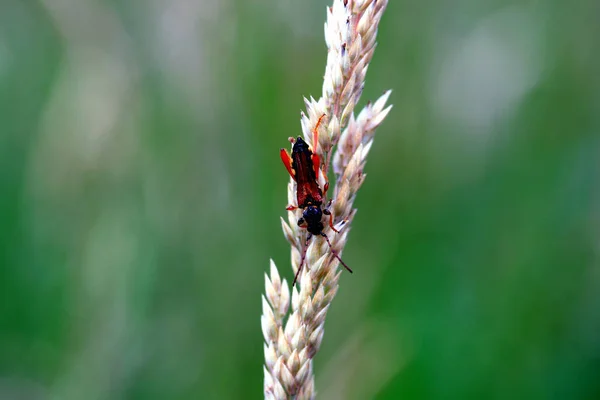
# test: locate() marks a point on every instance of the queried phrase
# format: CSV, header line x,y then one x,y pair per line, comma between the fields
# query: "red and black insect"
x,y
303,165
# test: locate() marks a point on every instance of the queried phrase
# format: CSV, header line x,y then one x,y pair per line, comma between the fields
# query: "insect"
x,y
303,166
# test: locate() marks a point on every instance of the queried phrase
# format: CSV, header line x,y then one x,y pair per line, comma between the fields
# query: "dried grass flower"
x,y
350,35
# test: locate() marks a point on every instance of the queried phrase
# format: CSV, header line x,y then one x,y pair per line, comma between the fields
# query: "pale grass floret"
x,y
350,34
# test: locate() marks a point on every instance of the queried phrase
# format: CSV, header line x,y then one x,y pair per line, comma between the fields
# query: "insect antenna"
x,y
334,252
302,259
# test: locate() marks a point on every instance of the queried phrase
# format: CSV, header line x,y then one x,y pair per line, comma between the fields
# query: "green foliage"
x,y
141,190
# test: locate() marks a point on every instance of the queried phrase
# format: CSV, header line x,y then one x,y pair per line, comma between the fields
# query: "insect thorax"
x,y
312,215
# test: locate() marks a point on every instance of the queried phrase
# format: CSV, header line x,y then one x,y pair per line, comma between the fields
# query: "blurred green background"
x,y
141,190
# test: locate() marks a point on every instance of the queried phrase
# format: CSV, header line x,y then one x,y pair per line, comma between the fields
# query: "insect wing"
x,y
308,190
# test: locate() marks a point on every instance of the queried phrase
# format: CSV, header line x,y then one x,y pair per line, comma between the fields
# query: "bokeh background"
x,y
141,190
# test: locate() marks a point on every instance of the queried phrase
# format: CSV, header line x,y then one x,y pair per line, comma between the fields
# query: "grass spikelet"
x,y
350,35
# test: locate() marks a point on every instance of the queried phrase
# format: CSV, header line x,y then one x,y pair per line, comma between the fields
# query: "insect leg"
x,y
334,253
325,188
327,212
316,134
316,160
302,259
